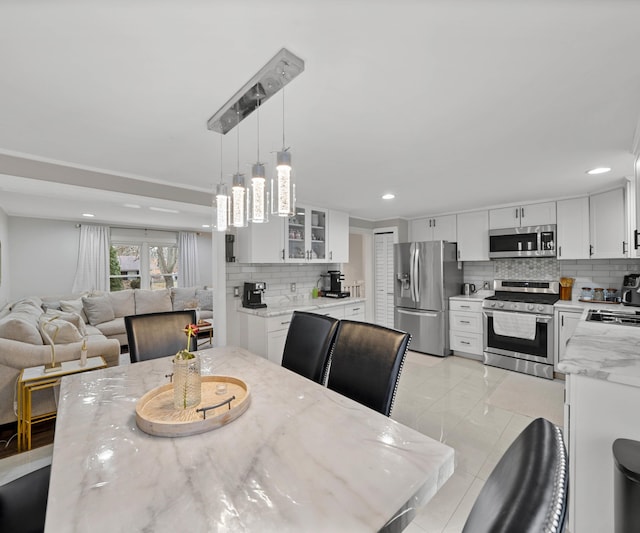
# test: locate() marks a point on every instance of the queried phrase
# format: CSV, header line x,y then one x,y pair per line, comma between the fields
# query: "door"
x,y
428,276
383,278
427,329
404,266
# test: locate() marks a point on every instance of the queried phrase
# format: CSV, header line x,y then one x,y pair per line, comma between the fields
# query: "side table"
x,y
35,379
205,330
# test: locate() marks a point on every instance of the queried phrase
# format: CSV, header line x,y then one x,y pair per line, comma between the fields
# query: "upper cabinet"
x,y
473,236
523,215
306,235
607,225
338,237
261,243
441,228
573,228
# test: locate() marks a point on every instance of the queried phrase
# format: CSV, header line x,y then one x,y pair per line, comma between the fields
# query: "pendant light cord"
x,y
258,116
283,144
238,142
221,180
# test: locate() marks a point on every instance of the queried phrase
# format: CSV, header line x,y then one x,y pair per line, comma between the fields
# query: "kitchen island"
x,y
602,398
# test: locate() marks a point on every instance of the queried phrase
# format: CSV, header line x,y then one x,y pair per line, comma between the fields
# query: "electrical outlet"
x,y
293,287
486,286
236,292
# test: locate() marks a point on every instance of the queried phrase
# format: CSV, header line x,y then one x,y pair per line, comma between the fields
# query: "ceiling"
x,y
451,105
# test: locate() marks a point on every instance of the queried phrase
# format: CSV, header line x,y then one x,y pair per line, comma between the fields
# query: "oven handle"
x,y
539,318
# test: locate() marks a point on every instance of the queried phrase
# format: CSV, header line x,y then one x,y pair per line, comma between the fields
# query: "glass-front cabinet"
x,y
306,235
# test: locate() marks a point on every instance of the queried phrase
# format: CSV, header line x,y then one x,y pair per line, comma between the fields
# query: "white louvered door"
x,y
383,304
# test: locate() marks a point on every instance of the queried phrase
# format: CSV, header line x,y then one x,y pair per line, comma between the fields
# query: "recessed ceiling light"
x,y
132,206
206,226
388,196
599,170
164,210
88,215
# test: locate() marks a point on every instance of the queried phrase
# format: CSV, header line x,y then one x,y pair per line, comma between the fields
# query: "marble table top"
x,y
604,351
301,458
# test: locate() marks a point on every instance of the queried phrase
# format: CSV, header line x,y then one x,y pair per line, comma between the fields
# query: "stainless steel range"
x,y
518,326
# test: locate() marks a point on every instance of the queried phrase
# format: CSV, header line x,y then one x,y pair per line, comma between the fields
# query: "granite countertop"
x,y
604,351
578,306
287,306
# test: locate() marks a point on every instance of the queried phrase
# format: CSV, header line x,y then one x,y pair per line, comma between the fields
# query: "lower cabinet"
x,y
566,323
465,327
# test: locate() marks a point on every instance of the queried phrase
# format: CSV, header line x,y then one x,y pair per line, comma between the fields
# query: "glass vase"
x,y
186,383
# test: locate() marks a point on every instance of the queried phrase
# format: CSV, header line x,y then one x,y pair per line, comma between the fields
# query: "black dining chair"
x,y
365,363
23,502
309,342
156,335
527,490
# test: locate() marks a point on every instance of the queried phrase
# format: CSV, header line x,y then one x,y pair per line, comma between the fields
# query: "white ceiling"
x,y
449,104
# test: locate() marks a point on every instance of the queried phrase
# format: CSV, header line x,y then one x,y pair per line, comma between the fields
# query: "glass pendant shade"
x,y
258,208
239,202
221,208
283,188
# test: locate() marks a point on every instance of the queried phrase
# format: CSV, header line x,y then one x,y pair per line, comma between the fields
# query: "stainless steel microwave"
x,y
530,241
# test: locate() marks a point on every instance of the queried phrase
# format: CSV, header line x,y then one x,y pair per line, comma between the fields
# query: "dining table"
x,y
300,458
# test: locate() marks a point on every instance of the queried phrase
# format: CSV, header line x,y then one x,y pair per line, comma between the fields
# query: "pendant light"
x,y
221,202
259,206
283,188
239,194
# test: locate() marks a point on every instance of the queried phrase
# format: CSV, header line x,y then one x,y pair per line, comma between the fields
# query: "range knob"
x,y
541,308
501,304
492,304
530,307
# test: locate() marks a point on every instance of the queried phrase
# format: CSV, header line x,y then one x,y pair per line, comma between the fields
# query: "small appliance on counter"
x,y
335,285
630,286
252,294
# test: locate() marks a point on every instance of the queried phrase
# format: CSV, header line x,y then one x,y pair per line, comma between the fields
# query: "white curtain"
x,y
92,272
188,275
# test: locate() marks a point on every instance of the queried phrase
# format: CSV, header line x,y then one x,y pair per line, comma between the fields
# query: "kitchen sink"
x,y
614,317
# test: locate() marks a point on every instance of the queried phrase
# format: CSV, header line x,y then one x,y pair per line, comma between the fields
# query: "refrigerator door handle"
x,y
417,275
417,313
412,273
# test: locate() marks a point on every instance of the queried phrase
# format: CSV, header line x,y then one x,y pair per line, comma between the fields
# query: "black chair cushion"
x,y
309,341
365,363
23,502
157,335
527,490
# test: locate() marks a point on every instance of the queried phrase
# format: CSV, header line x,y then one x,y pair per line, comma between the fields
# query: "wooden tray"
x,y
156,415
598,302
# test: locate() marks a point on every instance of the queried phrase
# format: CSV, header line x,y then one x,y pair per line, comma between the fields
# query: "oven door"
x,y
539,350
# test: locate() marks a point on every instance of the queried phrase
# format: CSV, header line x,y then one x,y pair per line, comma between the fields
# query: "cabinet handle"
x,y
331,255
434,222
559,251
285,323
562,321
465,322
521,212
429,222
458,254
283,254
624,247
465,306
590,249
517,213
465,342
355,309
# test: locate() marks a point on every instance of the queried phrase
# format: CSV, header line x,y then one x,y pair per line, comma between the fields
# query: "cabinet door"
x,y
295,237
506,217
538,214
473,236
338,238
317,235
275,345
354,312
420,230
607,225
573,228
444,228
567,323
261,243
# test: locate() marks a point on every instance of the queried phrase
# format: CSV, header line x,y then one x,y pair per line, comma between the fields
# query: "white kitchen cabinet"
x,y
607,225
354,312
261,243
306,235
523,215
473,236
572,234
442,228
338,238
566,323
465,327
265,336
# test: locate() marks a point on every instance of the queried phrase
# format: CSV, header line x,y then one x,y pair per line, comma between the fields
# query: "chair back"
x,y
366,362
527,490
158,335
23,502
309,341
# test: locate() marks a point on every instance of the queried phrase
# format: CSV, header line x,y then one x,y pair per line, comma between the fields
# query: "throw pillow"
x,y
184,298
60,331
205,299
5,310
148,301
73,318
98,309
19,329
74,306
122,302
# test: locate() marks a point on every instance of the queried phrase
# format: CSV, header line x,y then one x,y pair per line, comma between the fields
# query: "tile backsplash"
x,y
595,272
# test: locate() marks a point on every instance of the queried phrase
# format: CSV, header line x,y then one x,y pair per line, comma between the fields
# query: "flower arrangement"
x,y
191,330
186,374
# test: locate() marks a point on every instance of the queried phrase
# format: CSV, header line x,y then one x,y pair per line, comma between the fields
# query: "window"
x,y
143,259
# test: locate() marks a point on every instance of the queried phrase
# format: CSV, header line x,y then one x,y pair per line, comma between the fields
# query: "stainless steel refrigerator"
x,y
425,275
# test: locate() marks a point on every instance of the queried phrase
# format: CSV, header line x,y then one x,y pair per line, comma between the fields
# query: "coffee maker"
x,y
335,285
252,294
630,287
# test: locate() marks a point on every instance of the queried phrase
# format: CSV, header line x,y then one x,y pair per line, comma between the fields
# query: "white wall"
x,y
5,269
44,255
205,259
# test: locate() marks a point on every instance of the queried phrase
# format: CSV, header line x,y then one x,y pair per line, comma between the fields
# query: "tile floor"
x,y
477,410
